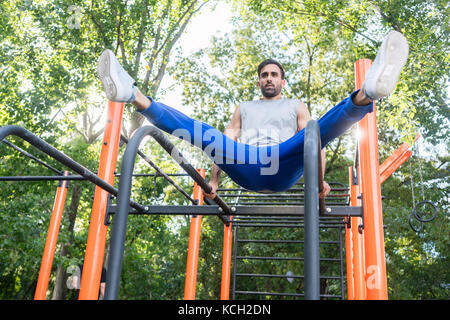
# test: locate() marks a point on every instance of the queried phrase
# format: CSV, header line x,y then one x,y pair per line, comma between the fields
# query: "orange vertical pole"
x,y
194,245
359,284
376,281
52,239
349,249
95,248
226,261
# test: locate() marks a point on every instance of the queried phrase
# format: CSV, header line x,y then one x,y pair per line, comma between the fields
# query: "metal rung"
x,y
282,241
267,221
272,218
284,294
269,241
271,293
280,276
332,211
248,203
287,225
282,258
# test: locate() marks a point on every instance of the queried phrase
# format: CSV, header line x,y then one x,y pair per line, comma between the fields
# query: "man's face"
x,y
270,81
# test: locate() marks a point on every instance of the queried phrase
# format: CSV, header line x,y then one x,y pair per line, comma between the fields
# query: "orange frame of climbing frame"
x,y
357,244
372,267
190,284
349,261
95,248
52,239
397,158
394,166
226,261
375,260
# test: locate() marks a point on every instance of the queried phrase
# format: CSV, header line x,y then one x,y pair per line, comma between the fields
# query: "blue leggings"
x,y
263,169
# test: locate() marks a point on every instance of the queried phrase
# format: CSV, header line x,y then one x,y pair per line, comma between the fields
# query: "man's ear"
x,y
283,83
259,84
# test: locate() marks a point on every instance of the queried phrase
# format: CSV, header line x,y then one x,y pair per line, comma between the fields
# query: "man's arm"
x,y
232,131
303,117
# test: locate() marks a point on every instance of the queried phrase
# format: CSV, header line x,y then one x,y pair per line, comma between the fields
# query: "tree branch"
x,y
339,21
140,43
99,27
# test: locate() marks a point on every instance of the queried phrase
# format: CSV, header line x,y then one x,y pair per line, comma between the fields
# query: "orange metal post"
x,y
394,166
359,284
394,157
95,248
194,245
376,281
226,261
349,262
52,239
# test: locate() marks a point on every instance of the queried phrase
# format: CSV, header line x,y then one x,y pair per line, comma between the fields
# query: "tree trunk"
x,y
60,290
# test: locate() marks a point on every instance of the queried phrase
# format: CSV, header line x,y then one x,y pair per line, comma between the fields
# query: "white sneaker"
x,y
119,86
382,77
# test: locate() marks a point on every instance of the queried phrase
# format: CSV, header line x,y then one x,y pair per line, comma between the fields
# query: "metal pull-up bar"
x,y
62,158
121,217
313,179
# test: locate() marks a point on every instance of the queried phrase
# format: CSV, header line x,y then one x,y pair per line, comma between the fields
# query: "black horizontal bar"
x,y
267,221
269,241
341,211
78,177
173,210
274,225
271,293
283,241
278,197
42,178
32,157
248,203
284,294
271,218
282,258
159,171
289,190
262,275
296,221
282,217
248,225
61,158
285,203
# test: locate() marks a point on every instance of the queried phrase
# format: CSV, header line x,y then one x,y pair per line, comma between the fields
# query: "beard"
x,y
270,92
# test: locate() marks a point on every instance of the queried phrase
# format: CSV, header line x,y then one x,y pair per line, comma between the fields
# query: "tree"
x,y
49,54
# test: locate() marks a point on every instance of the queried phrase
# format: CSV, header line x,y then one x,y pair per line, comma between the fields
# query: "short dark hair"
x,y
270,61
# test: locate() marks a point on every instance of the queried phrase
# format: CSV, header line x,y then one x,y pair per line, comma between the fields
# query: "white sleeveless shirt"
x,y
268,122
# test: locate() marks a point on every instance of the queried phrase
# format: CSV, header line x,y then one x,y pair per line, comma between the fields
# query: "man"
x,y
76,281
271,82
272,120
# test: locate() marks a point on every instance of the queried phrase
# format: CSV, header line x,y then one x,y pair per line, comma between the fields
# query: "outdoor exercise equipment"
x,y
360,216
424,210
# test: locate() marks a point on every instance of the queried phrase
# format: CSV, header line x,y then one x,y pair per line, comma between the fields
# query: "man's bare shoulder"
x,y
302,110
301,104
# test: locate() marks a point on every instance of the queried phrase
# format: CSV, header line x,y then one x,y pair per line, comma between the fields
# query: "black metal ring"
x,y
410,220
418,217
